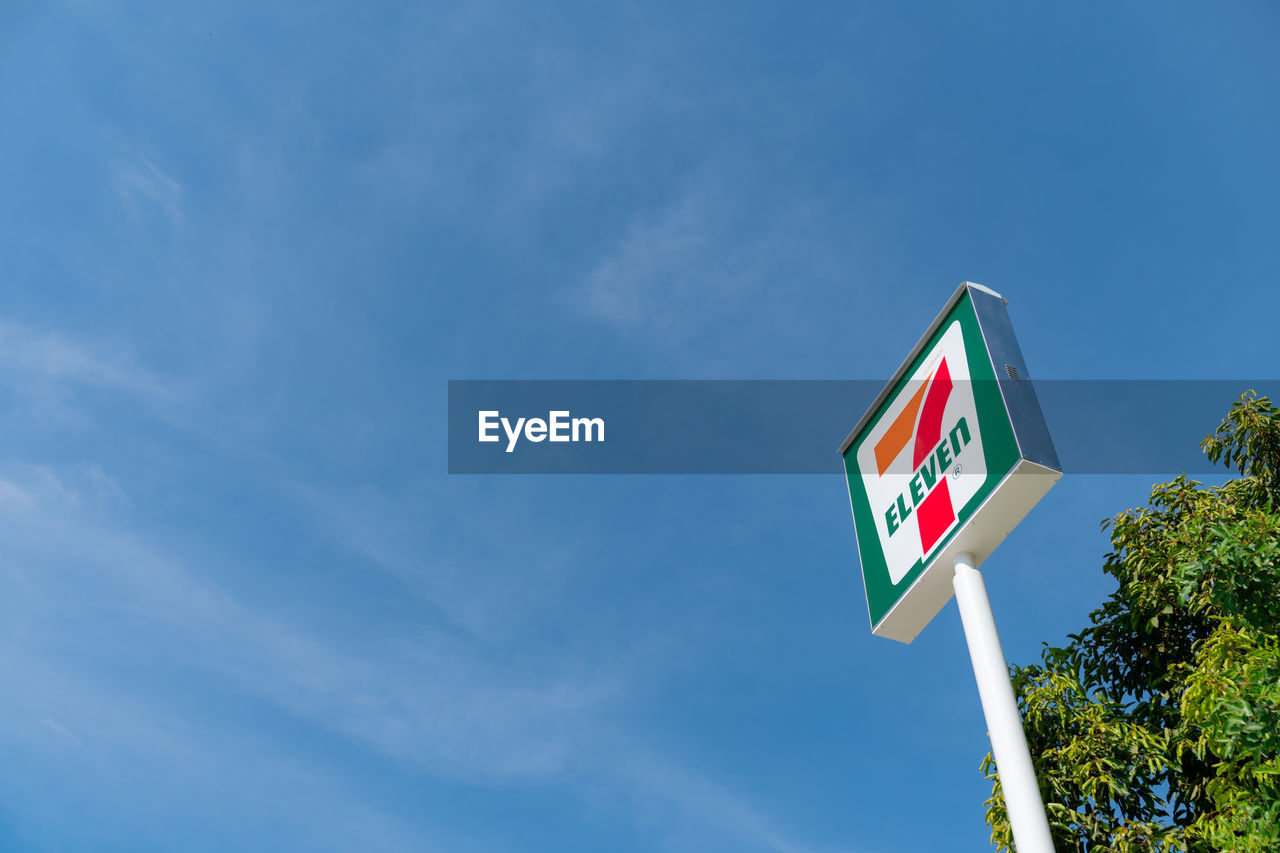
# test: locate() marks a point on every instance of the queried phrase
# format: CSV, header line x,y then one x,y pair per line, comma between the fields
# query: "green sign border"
x,y
1000,447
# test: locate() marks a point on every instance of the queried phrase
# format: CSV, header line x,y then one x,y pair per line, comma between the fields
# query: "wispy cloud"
x,y
141,184
656,267
121,759
432,700
89,595
59,729
45,364
29,488
709,265
674,789
559,728
486,587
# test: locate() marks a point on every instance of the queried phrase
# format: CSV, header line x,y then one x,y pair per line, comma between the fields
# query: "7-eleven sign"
x,y
950,457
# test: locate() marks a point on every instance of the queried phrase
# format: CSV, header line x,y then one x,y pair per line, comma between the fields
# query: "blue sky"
x,y
243,606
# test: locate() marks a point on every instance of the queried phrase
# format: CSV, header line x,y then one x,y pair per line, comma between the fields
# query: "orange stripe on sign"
x,y
899,432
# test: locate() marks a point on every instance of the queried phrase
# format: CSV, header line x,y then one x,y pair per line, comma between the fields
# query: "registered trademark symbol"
x,y
955,472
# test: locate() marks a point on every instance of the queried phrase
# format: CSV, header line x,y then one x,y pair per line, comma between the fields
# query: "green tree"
x,y
1157,727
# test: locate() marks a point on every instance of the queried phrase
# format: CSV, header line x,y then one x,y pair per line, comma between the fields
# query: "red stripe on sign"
x,y
929,430
935,515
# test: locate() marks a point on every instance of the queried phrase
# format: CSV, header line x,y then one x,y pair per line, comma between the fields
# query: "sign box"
x,y
952,454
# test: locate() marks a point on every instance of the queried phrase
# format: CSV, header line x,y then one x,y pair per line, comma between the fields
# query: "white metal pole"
x,y
1008,742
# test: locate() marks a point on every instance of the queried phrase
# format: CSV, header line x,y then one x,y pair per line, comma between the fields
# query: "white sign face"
x,y
924,460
